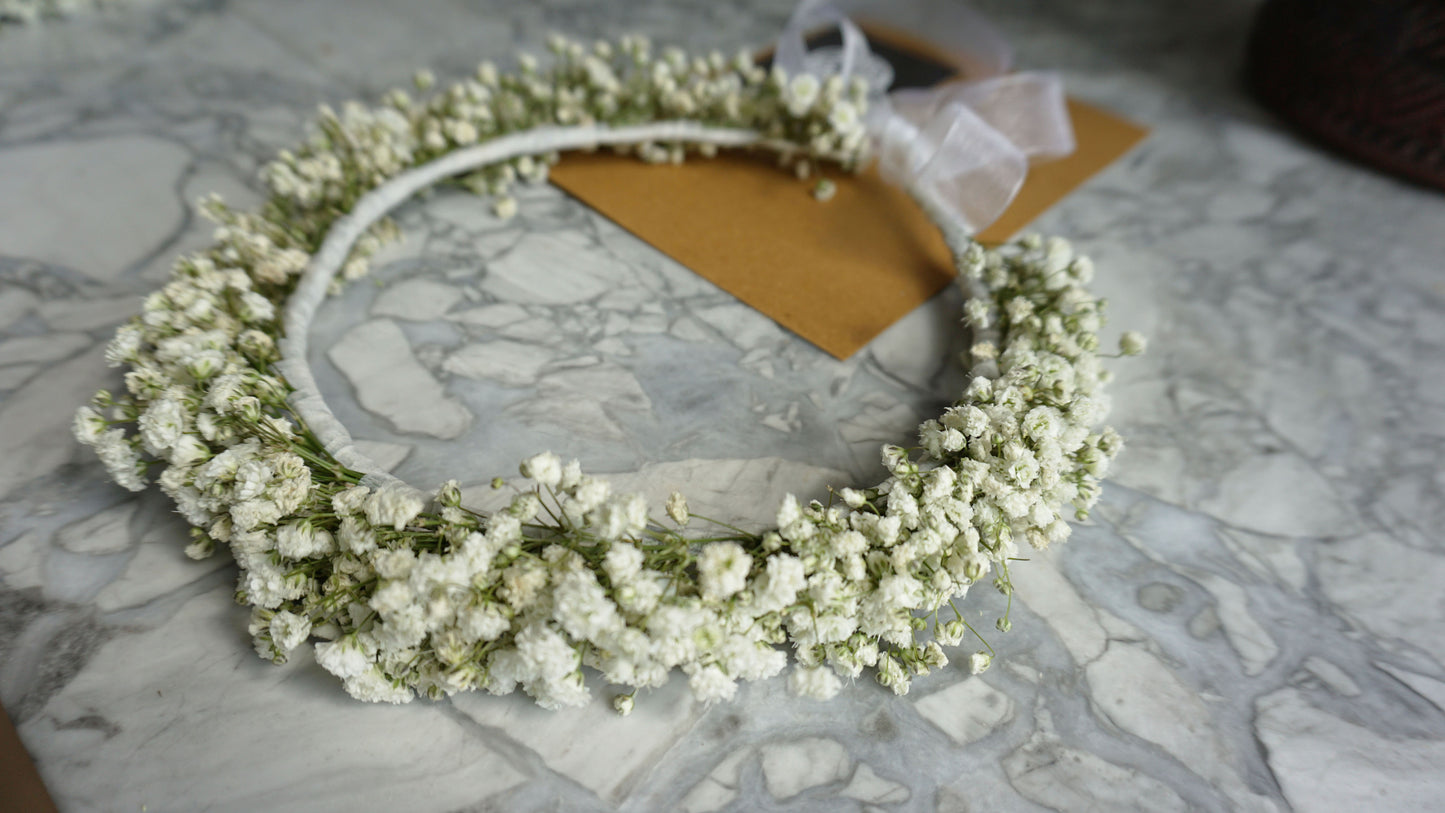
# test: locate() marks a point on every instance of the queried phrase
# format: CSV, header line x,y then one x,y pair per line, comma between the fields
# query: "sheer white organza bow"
x,y
966,143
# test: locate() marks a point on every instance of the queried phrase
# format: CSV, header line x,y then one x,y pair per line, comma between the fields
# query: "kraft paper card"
x,y
838,272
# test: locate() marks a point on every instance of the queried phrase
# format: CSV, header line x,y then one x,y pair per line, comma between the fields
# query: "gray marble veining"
x,y
1251,622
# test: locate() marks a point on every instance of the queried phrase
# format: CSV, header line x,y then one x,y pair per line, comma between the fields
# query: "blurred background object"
x,y
1364,77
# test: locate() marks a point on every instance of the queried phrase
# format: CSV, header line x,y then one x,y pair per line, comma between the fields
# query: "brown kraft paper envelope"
x,y
838,272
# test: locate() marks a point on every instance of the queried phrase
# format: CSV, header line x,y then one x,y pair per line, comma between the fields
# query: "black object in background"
x,y
1364,77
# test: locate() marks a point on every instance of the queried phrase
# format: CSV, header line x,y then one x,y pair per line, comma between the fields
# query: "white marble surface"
x,y
1252,622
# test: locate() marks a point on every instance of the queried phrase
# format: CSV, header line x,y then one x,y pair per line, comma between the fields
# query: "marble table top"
x,y
1251,621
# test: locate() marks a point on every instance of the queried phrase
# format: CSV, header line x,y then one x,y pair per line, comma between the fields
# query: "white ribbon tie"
x,y
967,143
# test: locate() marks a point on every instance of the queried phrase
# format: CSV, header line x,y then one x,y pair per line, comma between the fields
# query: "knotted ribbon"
x,y
967,144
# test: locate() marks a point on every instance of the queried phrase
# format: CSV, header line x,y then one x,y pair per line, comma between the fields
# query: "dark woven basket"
x,y
1365,77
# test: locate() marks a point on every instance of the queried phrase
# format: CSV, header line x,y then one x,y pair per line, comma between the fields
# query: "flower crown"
x,y
408,592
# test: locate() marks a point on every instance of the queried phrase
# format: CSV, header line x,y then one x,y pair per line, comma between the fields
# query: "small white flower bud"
x,y
978,662
1132,343
677,508
622,704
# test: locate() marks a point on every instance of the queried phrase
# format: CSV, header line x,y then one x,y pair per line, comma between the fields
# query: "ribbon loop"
x,y
954,156
1027,108
969,143
791,53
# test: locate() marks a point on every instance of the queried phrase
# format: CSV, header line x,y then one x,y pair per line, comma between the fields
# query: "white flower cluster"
x,y
616,84
410,593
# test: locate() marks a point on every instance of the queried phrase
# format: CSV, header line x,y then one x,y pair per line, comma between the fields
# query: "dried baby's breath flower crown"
x,y
408,593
